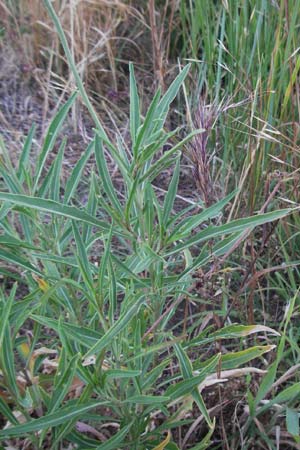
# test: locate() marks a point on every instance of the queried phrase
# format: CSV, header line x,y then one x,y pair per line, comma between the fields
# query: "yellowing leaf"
x,y
165,442
43,285
24,349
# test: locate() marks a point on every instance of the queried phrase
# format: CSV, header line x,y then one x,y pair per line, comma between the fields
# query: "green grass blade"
x,y
6,412
24,157
168,97
186,386
134,107
168,157
285,396
147,126
11,181
7,362
76,174
73,68
52,207
105,176
63,384
171,194
118,326
232,227
190,223
187,373
51,136
18,261
57,173
148,399
82,259
7,306
11,241
103,268
91,207
232,360
63,415
79,334
238,331
115,441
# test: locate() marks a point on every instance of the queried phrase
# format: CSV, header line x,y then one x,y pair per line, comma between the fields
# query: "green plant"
x,y
99,285
110,320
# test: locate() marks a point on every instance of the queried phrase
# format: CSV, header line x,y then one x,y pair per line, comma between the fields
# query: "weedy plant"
x,y
92,348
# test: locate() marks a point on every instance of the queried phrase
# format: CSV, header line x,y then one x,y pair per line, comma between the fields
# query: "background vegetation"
x,y
149,222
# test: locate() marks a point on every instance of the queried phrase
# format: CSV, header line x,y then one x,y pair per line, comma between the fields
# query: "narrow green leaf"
x,y
52,207
51,181
121,373
153,144
205,442
287,394
186,386
131,198
147,399
4,210
91,208
103,268
7,306
190,223
134,106
11,241
266,384
82,259
12,183
233,360
168,157
51,136
56,259
237,331
171,194
118,326
105,176
231,227
292,422
145,129
76,174
63,415
82,335
18,261
73,68
168,97
113,298
187,373
115,441
7,362
63,384
290,393
149,214
6,412
24,157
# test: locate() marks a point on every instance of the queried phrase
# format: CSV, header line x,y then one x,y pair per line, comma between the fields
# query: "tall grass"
x,y
248,52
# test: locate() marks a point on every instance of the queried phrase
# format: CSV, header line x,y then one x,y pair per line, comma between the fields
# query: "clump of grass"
x,y
248,51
